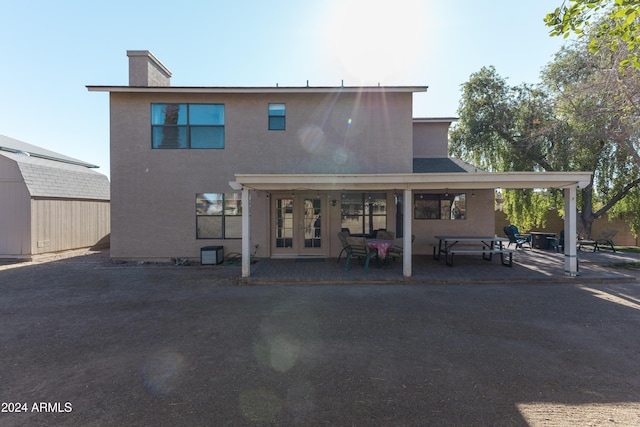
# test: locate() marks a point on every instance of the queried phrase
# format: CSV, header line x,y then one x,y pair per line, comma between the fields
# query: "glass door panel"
x,y
311,230
312,223
284,223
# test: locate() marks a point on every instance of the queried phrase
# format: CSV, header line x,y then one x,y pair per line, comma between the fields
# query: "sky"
x,y
51,50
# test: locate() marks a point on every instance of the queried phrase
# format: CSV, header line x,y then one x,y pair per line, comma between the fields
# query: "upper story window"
x,y
277,116
187,125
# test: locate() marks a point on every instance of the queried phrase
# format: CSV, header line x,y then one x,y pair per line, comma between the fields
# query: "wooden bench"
x,y
487,254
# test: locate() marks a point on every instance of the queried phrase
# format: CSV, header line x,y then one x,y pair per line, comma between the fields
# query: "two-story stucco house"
x,y
279,171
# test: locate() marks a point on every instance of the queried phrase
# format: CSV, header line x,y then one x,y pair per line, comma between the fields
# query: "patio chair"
x,y
604,238
511,231
385,235
397,251
556,243
357,247
343,240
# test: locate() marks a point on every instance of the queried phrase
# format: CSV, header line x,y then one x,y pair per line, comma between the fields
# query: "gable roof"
x,y
15,146
45,176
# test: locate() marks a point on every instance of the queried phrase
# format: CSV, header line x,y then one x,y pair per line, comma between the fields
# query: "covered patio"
x,y
407,184
544,267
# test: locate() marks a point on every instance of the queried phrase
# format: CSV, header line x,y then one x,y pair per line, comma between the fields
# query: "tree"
x,y
617,21
504,128
584,116
600,102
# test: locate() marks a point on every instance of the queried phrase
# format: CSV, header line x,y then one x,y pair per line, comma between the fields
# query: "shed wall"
x,y
61,224
14,220
14,211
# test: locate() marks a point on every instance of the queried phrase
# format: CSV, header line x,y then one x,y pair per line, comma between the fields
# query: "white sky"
x,y
51,50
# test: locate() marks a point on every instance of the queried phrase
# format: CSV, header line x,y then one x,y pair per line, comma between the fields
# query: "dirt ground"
x,y
84,342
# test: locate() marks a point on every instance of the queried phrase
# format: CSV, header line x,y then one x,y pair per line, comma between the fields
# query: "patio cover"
x,y
478,180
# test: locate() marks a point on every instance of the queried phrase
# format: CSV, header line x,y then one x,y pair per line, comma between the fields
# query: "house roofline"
x,y
435,119
260,89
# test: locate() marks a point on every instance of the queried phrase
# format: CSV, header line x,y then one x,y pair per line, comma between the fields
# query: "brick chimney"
x,y
146,70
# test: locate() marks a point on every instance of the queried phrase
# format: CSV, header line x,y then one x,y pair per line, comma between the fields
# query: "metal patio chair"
x,y
357,247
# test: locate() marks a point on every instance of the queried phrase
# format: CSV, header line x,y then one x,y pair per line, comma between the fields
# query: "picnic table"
x,y
485,245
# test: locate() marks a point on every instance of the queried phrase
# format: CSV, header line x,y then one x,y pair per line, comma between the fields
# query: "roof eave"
x,y
414,181
253,90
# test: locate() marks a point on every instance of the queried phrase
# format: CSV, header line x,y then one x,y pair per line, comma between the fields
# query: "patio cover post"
x,y
246,233
406,239
570,237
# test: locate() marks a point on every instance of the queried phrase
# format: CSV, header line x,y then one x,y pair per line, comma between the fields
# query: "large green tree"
x,y
606,23
506,128
599,103
584,116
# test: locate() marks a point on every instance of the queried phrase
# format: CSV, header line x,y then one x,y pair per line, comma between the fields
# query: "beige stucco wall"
x,y
480,222
428,138
153,191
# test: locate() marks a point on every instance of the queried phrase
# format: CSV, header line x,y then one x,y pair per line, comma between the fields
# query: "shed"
x,y
49,202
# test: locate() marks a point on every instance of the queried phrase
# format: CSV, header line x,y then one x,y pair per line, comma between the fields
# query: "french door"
x,y
298,228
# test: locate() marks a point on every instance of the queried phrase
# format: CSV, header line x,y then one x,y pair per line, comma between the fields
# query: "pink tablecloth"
x,y
381,245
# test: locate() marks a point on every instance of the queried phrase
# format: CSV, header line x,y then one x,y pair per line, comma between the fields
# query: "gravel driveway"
x,y
87,343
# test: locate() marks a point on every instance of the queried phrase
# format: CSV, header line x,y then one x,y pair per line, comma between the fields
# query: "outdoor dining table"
x,y
446,246
540,239
381,246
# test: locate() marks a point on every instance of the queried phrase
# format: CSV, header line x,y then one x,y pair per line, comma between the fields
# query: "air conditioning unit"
x,y
212,255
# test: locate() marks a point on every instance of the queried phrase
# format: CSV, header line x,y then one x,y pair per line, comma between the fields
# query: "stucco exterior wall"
x,y
429,139
153,190
479,222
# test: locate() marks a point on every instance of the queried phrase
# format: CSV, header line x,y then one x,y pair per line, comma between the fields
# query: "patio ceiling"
x,y
412,181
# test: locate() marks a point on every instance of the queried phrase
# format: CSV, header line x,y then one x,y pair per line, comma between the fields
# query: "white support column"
x,y
407,210
570,250
246,233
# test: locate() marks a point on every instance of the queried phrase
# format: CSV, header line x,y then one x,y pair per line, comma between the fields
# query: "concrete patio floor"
x,y
535,266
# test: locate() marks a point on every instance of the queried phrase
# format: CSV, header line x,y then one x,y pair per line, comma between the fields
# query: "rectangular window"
x,y
193,126
218,216
277,116
440,206
362,213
